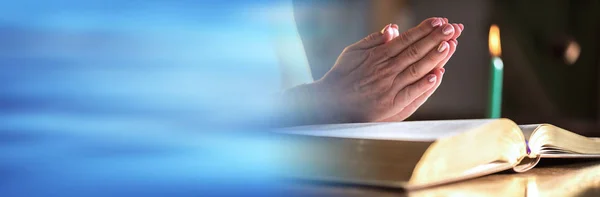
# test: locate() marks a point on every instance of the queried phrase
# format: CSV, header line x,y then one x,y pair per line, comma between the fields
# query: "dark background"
x,y
539,85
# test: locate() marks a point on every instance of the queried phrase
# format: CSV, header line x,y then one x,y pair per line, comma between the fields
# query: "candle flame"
x,y
572,52
494,41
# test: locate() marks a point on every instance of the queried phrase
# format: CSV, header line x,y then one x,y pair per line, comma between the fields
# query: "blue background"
x,y
106,97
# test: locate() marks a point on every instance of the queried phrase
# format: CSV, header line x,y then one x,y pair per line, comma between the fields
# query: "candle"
x,y
496,72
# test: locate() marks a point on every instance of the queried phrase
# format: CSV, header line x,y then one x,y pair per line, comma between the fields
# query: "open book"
x,y
419,154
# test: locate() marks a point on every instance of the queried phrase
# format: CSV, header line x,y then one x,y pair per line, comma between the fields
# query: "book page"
x,y
528,129
552,140
568,155
467,154
401,131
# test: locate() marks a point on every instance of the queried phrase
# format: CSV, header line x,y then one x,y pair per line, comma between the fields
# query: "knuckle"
x,y
428,20
398,65
384,102
369,38
377,96
413,72
405,37
382,72
421,30
377,74
381,102
387,53
412,52
432,57
371,53
381,87
348,48
391,74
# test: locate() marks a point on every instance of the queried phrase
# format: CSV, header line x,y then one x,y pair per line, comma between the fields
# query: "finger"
x,y
419,49
388,33
406,39
462,27
427,63
457,32
446,21
374,39
418,102
408,94
385,28
396,31
453,44
419,69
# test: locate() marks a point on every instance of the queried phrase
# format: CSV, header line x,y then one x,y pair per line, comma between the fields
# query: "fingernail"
x,y
436,22
443,70
448,30
431,78
391,30
394,27
388,30
457,27
443,46
462,27
385,28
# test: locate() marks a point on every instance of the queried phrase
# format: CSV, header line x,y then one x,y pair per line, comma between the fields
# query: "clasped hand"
x,y
386,76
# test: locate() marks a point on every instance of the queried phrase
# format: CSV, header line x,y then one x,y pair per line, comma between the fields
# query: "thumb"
x,y
375,39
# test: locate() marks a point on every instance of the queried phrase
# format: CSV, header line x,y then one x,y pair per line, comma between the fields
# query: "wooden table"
x,y
580,179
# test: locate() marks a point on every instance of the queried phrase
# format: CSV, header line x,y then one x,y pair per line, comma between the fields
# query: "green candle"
x,y
496,71
495,89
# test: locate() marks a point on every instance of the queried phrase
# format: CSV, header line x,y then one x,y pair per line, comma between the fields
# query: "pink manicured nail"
x,y
448,30
457,27
431,78
462,27
436,22
389,30
385,28
443,46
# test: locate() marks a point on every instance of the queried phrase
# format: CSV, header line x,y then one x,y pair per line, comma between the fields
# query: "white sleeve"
x,y
294,66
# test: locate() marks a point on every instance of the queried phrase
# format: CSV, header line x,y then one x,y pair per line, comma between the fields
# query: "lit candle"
x,y
496,71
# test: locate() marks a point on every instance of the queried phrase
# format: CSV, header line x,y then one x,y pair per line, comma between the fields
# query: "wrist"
x,y
325,103
313,103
